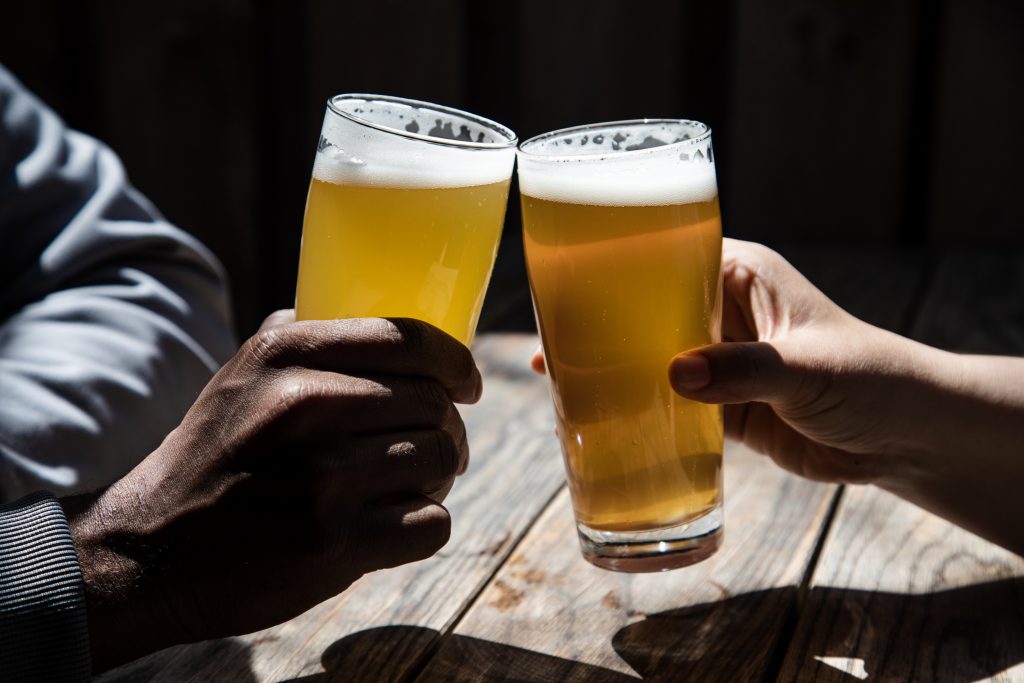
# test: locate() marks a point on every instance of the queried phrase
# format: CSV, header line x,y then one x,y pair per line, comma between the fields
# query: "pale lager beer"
x,y
403,216
623,241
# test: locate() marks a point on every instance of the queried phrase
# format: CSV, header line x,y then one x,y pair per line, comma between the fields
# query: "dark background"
x,y
886,122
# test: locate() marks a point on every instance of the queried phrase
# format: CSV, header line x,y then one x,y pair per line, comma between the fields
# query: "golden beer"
x,y
404,213
619,291
399,252
623,248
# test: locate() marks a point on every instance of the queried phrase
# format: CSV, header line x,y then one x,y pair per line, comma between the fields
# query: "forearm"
x,y
966,434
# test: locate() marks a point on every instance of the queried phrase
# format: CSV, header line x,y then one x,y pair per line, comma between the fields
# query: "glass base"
x,y
653,551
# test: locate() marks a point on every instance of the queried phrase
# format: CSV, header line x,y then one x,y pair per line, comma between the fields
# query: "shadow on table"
x,y
963,634
227,660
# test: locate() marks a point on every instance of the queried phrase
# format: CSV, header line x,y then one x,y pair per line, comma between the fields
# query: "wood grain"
x,y
550,616
822,100
978,109
876,284
173,93
900,594
515,470
976,303
908,597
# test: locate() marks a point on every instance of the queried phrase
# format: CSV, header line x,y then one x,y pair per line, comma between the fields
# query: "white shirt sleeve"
x,y
111,319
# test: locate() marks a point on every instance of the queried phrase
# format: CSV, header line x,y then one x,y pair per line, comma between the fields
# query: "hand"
x,y
800,376
821,392
320,452
834,399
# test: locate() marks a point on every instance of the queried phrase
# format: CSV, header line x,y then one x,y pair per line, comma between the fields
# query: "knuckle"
x,y
268,346
292,393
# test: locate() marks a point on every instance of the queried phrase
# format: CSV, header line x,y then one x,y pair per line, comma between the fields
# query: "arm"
x,y
112,319
319,452
966,460
832,398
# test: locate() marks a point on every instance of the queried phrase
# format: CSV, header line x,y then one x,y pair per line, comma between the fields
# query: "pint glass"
x,y
623,241
404,213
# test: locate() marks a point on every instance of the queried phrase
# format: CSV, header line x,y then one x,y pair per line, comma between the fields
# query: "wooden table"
x,y
813,581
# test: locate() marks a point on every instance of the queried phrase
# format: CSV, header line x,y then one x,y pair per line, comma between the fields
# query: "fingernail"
x,y
690,372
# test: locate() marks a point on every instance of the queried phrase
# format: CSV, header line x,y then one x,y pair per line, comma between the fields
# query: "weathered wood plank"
x,y
976,176
900,594
174,98
976,304
573,62
823,96
875,283
389,47
548,615
37,47
515,471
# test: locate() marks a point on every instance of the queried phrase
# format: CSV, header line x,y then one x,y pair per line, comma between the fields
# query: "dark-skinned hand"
x,y
320,452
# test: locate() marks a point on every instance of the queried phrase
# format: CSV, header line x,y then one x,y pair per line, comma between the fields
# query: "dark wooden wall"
x,y
883,121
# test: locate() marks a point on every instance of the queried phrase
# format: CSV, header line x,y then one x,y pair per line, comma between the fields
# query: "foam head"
x,y
384,141
626,163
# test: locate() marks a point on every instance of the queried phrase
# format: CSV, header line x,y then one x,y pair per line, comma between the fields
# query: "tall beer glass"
x,y
623,242
404,213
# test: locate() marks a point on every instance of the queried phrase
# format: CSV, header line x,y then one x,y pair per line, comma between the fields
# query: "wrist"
x,y
117,599
963,435
937,423
912,434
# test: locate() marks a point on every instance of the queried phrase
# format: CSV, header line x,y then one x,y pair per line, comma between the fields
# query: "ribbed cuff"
x,y
43,631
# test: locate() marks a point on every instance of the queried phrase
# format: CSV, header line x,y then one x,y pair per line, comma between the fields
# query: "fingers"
x,y
397,346
387,466
312,406
404,531
739,373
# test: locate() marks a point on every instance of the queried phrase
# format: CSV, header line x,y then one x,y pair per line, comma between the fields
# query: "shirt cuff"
x,y
44,635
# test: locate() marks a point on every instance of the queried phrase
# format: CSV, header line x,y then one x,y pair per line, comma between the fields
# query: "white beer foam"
x,y
682,184
356,154
637,165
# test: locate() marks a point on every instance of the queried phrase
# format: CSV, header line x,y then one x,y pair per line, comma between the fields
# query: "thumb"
x,y
735,373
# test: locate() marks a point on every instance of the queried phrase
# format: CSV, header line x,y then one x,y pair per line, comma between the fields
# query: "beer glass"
x,y
623,241
404,213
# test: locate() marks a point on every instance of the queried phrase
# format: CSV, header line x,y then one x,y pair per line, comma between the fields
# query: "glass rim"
x,y
706,134
511,139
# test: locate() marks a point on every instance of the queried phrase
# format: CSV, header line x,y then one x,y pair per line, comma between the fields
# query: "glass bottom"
x,y
653,551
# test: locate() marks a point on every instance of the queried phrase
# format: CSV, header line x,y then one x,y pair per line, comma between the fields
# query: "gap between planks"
x,y
907,322
428,654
